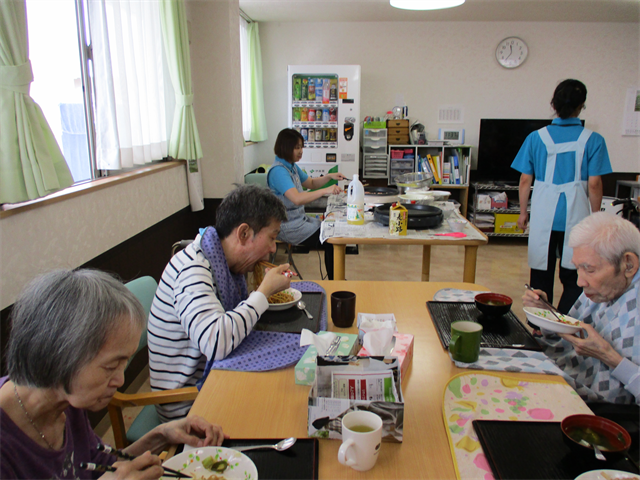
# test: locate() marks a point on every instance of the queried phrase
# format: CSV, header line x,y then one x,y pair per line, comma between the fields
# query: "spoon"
x,y
599,454
303,306
280,446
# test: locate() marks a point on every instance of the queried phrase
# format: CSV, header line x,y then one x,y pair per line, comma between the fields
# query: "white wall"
x,y
71,232
435,64
214,31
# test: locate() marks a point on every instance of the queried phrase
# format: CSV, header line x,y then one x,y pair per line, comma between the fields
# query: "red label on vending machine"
x,y
343,87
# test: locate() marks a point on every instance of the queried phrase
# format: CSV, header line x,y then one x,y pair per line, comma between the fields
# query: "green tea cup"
x,y
465,341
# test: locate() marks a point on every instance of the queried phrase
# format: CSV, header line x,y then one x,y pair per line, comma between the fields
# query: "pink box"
x,y
495,204
403,349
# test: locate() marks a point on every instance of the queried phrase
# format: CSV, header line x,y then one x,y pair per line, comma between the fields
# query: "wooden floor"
x,y
501,267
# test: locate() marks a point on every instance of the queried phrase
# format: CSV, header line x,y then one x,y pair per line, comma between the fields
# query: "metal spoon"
x,y
280,446
303,306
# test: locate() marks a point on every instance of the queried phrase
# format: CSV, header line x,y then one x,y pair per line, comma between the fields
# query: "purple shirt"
x,y
21,457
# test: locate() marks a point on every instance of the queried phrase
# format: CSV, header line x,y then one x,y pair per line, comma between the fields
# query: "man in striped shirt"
x,y
202,309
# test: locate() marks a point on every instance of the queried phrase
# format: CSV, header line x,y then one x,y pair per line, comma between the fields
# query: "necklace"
x,y
15,390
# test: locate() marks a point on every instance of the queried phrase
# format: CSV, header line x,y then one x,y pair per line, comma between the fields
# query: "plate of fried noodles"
x,y
284,299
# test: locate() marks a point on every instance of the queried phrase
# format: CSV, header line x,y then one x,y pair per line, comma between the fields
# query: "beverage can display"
x,y
333,90
312,89
304,132
325,135
318,134
304,95
304,114
333,135
311,135
325,115
296,114
297,85
312,115
333,114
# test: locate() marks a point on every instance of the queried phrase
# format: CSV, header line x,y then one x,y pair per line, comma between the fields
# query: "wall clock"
x,y
511,52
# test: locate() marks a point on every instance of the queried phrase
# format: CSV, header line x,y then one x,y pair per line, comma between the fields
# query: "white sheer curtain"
x,y
245,78
130,109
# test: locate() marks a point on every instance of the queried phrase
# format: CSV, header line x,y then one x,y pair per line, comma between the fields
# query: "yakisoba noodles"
x,y
280,297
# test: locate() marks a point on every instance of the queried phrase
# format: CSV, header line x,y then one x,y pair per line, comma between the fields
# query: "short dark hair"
x,y
286,143
60,322
568,96
252,204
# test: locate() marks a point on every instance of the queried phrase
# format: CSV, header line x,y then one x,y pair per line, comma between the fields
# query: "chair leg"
x,y
291,262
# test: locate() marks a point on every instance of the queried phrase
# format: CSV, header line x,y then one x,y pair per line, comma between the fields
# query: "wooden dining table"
x,y
470,251
272,405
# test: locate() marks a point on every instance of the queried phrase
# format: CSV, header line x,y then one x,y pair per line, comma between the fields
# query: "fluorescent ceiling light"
x,y
425,4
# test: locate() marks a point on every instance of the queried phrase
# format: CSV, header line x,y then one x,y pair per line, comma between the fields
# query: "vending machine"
x,y
324,106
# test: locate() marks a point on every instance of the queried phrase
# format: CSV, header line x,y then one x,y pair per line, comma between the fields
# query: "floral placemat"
x,y
499,396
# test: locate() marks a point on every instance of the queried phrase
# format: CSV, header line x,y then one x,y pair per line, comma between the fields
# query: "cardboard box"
x,y
398,218
325,413
305,370
403,349
484,202
499,200
507,223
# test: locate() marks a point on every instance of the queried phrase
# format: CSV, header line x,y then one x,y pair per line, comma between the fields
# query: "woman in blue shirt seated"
x,y
286,180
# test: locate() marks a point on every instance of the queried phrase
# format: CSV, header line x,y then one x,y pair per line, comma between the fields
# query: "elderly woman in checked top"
x,y
72,335
603,363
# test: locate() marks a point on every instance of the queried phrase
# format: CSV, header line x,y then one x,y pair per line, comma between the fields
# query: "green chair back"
x,y
256,178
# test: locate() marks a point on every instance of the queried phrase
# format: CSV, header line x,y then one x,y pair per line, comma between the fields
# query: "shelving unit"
x,y
492,187
375,162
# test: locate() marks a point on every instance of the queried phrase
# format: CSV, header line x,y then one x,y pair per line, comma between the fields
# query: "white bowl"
x,y
440,195
297,295
456,224
545,320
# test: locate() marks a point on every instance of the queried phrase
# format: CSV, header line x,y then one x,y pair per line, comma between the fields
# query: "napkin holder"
x,y
305,370
325,413
403,349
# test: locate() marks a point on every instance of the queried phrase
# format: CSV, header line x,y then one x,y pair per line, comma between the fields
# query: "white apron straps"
x,y
545,200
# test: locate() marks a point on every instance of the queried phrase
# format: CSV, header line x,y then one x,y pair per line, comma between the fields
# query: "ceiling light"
x,y
425,4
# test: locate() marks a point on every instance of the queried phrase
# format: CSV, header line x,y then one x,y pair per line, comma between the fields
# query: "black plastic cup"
x,y
343,309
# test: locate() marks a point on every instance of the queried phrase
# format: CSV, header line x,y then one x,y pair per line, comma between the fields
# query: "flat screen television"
x,y
499,142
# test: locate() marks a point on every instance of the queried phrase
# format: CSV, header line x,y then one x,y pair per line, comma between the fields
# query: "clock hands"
x,y
510,51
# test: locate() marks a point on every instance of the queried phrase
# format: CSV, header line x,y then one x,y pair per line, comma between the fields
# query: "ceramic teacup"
x,y
465,341
361,439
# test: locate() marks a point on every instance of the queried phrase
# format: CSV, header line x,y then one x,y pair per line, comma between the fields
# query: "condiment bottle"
x,y
355,202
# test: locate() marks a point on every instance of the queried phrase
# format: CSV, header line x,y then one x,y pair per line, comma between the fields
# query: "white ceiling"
x,y
471,10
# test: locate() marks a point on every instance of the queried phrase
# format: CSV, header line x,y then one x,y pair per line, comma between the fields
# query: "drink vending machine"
x,y
324,106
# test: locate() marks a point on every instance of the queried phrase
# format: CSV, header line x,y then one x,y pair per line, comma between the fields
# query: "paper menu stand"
x,y
325,413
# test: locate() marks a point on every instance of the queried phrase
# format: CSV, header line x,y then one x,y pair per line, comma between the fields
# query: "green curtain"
x,y
31,163
184,143
258,118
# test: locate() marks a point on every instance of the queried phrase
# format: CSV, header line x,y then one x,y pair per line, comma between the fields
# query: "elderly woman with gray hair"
x,y
603,364
72,335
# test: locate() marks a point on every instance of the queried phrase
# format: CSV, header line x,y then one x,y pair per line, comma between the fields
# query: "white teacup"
x,y
361,437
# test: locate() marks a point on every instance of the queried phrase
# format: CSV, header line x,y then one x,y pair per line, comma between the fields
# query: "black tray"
x,y
293,320
298,462
537,450
420,216
503,332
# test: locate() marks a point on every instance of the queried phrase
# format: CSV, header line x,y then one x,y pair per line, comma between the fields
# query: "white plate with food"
x,y
284,299
198,462
607,475
547,321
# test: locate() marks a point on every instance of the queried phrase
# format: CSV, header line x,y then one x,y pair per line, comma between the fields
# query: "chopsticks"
x,y
125,456
552,309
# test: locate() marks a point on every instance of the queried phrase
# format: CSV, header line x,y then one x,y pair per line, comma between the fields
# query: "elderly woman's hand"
x,y
194,431
144,467
532,299
593,346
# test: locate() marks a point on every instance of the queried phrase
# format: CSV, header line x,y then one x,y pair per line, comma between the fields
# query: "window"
x,y
254,123
125,109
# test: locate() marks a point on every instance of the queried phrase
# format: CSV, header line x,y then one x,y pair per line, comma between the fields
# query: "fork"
x,y
333,347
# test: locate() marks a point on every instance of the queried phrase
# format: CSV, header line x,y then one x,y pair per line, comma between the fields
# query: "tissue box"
x,y
403,349
325,413
484,202
305,370
381,317
498,200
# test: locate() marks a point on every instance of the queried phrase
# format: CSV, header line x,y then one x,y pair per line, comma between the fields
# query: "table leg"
x,y
470,257
339,252
426,262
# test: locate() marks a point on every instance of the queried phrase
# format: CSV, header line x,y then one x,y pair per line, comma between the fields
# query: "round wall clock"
x,y
511,52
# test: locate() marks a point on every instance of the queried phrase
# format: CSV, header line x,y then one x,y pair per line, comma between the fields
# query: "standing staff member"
x,y
567,161
286,180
